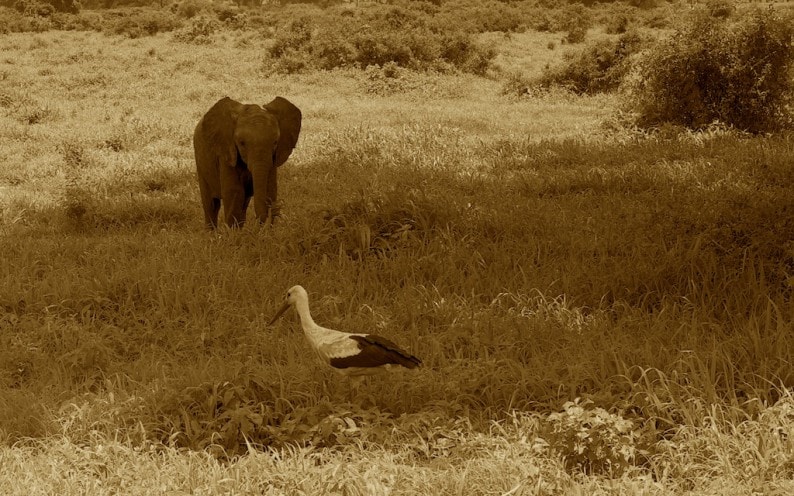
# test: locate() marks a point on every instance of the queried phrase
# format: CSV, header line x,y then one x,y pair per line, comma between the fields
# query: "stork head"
x,y
294,295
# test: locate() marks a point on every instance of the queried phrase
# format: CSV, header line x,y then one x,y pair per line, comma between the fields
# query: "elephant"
x,y
238,148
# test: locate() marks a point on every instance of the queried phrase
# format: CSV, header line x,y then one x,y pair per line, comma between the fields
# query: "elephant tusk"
x,y
281,310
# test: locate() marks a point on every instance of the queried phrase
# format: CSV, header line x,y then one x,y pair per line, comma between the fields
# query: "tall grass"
x,y
526,257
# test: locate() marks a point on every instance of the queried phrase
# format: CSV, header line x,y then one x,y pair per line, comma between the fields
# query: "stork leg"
x,y
355,383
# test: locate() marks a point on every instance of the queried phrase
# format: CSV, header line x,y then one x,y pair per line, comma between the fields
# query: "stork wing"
x,y
374,352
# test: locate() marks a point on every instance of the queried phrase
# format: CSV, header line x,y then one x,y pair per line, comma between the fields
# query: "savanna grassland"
x,y
600,308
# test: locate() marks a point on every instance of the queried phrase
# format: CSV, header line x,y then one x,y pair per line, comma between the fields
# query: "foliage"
x,y
198,30
392,37
143,22
720,8
527,253
576,22
84,21
590,439
476,16
617,24
599,68
10,21
713,69
191,8
45,8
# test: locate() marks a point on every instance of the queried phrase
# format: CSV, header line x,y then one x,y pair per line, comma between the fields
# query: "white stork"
x,y
351,354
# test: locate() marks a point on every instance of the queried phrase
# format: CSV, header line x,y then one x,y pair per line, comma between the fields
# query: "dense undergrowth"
x,y
611,302
631,275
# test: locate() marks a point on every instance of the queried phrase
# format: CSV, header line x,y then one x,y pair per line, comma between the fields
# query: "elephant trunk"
x,y
264,189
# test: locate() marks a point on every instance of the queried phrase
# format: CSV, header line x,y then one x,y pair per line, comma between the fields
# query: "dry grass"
x,y
529,253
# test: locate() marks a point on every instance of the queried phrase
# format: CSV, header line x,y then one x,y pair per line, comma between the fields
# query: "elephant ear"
x,y
218,127
289,124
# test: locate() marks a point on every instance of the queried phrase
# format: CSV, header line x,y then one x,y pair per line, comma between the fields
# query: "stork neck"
x,y
307,322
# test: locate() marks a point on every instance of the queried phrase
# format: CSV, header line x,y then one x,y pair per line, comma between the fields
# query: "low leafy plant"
x,y
590,439
599,68
717,69
198,31
386,39
144,22
188,9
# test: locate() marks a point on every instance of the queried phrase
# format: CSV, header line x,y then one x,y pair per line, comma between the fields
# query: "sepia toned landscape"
x,y
591,251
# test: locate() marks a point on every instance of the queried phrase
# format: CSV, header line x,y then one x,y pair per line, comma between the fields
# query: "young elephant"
x,y
238,148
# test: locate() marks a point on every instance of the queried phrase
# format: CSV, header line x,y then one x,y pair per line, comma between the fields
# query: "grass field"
x,y
599,310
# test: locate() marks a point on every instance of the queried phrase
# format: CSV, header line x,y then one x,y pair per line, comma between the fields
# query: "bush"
x,y
188,9
393,37
712,69
601,67
198,31
720,8
84,21
34,8
144,22
592,440
477,16
617,24
10,21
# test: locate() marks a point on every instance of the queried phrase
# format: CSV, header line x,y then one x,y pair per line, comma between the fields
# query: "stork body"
x,y
350,354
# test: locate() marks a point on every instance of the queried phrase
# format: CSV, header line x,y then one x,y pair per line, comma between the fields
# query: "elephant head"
x,y
237,149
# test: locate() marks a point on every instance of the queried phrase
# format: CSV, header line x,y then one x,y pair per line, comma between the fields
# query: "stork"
x,y
353,355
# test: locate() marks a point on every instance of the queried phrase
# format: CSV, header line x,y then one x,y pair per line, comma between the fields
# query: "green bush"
x,y
10,21
590,439
720,8
33,8
574,18
84,21
476,16
714,69
600,68
198,31
43,8
617,24
144,22
190,8
391,37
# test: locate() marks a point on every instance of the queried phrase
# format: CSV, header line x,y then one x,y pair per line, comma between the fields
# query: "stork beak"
x,y
281,310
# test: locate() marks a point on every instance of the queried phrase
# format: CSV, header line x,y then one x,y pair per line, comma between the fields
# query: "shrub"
x,y
144,22
592,440
720,8
191,8
32,8
479,16
600,68
84,21
198,31
393,37
389,79
10,21
576,20
294,37
644,4
712,69
617,24
44,8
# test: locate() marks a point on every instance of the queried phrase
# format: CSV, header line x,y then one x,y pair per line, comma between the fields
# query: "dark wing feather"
x,y
376,351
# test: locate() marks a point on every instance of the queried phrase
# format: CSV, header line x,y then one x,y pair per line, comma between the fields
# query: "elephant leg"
x,y
234,199
272,195
211,205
